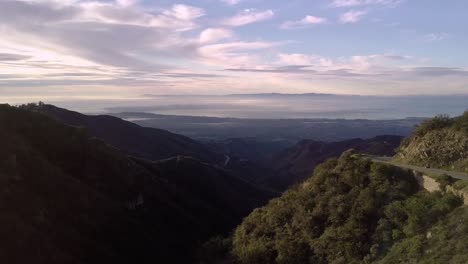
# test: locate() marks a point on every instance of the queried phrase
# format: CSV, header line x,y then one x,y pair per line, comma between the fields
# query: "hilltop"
x,y
296,163
441,142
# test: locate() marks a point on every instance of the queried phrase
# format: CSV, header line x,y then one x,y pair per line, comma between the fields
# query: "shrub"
x,y
461,122
329,219
438,122
444,181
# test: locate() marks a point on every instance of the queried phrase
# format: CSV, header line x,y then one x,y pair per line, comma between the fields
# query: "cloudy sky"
x,y
125,48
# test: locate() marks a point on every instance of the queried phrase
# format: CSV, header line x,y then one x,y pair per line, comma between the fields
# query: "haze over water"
x,y
279,106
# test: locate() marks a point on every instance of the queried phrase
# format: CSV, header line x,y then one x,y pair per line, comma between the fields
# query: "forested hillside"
x,y
144,142
296,163
153,143
66,197
350,211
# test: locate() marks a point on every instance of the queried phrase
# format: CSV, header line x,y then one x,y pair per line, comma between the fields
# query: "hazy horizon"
x,y
276,106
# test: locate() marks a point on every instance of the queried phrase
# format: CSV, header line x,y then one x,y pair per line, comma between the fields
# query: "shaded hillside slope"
x,y
148,143
252,149
153,143
68,198
211,190
441,142
297,163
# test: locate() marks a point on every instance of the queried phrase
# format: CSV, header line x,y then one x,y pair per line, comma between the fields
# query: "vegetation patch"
x,y
350,211
461,185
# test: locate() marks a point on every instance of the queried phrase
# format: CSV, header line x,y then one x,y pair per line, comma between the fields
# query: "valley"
x,y
274,131
103,184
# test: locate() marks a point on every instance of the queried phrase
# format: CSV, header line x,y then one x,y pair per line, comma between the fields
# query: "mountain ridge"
x,y
296,163
149,143
68,197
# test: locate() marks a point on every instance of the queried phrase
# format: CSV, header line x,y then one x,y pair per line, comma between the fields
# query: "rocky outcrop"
x,y
442,143
462,193
443,148
430,184
427,183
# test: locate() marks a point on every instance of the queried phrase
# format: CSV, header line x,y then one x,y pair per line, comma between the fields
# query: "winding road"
x,y
227,160
454,174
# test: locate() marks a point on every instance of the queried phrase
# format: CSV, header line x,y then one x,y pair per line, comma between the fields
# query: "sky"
x,y
126,48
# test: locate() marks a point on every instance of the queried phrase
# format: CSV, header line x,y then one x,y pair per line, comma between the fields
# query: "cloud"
x,y
352,16
438,71
233,54
127,2
178,17
278,69
104,43
12,57
210,35
303,59
385,66
353,3
396,57
127,46
185,12
434,37
248,16
231,2
35,13
105,33
306,21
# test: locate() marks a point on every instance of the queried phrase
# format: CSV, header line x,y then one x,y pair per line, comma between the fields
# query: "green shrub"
x,y
438,122
350,211
461,122
329,219
215,250
444,181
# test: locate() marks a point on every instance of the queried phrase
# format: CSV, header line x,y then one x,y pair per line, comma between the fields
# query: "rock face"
x,y
441,142
445,148
427,183
431,184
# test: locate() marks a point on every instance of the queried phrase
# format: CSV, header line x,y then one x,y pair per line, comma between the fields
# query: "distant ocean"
x,y
280,106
